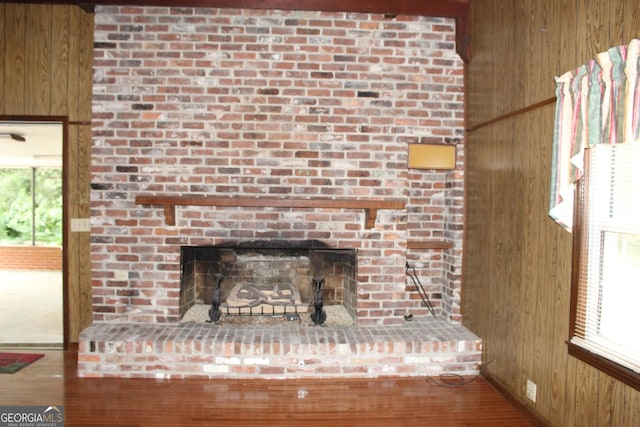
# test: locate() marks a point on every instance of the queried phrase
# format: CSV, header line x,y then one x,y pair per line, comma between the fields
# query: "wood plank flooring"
x,y
144,402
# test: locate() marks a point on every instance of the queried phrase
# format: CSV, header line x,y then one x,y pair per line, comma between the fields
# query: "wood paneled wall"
x,y
517,261
46,56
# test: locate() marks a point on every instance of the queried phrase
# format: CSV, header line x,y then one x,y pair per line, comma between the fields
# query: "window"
x,y
606,278
31,206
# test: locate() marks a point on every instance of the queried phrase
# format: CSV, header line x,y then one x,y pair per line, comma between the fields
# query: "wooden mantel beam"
x,y
457,9
370,206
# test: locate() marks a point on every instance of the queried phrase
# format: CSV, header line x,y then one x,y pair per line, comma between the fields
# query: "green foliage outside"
x,y
16,206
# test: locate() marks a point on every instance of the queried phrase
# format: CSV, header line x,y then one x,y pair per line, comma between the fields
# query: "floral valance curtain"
x,y
598,103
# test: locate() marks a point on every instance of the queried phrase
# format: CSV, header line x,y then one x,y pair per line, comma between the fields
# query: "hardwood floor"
x,y
142,402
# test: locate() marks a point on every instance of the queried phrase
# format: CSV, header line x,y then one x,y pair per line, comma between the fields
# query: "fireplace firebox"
x,y
267,278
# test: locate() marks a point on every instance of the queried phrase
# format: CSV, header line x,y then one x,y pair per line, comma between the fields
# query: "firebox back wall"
x,y
200,101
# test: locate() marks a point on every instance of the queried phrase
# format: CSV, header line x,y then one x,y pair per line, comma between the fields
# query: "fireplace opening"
x,y
266,278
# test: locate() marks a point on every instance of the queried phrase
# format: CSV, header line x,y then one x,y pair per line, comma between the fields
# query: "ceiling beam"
x,y
456,9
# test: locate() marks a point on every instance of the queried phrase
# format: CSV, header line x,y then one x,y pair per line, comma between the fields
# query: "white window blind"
x,y
608,318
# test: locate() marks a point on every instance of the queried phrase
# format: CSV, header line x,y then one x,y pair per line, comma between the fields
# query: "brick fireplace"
x,y
272,109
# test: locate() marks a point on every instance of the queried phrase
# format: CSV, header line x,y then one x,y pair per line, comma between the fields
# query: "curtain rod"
x,y
512,114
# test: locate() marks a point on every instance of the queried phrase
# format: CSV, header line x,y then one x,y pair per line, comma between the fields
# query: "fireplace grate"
x,y
264,310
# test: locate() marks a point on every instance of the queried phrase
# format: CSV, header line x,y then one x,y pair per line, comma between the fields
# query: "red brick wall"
x,y
280,104
30,258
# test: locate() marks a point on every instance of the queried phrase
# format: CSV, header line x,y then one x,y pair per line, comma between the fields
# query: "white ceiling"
x,y
42,146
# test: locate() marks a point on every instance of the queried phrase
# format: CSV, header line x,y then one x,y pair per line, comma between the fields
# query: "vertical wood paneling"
x,y
616,17
567,56
78,90
59,60
612,391
531,279
560,288
570,406
494,259
629,21
544,28
473,237
3,53
504,14
515,245
83,173
38,60
632,405
545,304
74,67
585,395
14,58
79,105
517,261
493,53
83,177
545,33
502,289
46,70
598,27
85,77
72,243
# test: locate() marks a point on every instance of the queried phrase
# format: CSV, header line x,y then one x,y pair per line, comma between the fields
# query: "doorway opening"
x,y
31,232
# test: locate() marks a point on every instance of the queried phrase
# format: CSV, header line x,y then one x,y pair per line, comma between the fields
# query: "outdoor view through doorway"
x,y
31,218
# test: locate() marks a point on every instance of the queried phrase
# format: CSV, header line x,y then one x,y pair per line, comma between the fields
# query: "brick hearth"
x,y
420,348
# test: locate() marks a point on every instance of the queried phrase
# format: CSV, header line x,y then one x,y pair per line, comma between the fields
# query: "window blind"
x,y
609,292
